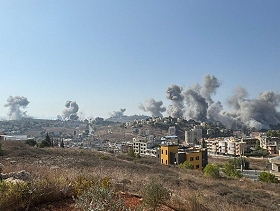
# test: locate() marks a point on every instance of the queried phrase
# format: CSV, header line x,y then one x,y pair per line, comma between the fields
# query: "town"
x,y
171,140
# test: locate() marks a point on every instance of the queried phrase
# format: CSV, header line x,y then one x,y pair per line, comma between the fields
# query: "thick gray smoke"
x,y
259,113
198,98
196,103
16,104
174,93
119,113
154,107
70,112
209,87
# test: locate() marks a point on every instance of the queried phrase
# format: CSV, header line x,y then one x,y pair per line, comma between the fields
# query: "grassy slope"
x,y
221,194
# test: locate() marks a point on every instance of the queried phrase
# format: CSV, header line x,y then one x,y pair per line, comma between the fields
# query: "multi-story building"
x,y
141,144
172,154
193,136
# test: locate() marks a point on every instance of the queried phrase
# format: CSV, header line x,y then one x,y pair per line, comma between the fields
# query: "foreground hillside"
x,y
60,169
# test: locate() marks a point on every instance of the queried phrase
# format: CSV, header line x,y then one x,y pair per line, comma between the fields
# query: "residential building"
x,y
193,136
171,154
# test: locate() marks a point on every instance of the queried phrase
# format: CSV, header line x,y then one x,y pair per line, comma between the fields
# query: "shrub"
x,y
1,150
100,197
230,171
44,143
268,177
31,142
154,194
186,165
212,170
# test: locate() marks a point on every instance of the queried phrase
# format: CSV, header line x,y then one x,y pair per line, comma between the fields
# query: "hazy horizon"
x,y
94,58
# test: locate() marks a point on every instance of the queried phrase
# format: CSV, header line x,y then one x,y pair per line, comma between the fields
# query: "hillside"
x,y
188,187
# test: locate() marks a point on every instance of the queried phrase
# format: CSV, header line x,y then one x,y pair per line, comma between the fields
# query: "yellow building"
x,y
170,154
166,153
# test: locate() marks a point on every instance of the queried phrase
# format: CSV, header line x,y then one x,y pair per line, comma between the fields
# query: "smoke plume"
x,y
174,93
16,104
119,113
153,106
196,103
70,112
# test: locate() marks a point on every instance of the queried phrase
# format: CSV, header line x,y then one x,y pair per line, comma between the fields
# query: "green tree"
x,y
31,142
48,139
212,170
154,194
238,161
186,165
131,152
1,150
231,171
268,177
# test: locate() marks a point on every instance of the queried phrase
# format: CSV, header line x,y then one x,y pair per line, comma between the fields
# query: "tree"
x,y
154,194
238,161
31,142
1,150
268,177
131,152
212,170
186,165
231,171
48,139
62,144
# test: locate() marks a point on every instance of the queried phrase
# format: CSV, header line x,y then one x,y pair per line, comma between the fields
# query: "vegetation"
x,y
46,142
212,170
131,153
58,175
154,194
230,170
186,165
100,197
268,177
273,133
258,153
31,142
1,150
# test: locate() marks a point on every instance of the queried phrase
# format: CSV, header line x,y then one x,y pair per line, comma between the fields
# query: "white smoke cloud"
x,y
196,103
70,112
16,105
154,107
119,113
174,93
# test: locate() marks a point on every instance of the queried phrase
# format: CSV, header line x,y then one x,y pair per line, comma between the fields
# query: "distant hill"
x,y
123,119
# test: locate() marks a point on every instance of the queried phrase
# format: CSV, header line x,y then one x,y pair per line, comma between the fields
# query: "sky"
x,y
108,55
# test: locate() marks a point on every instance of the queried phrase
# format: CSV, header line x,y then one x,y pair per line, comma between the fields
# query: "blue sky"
x,y
107,55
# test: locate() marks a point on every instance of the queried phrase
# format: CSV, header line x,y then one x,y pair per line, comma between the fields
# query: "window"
x,y
197,157
166,152
197,166
162,151
161,160
191,158
165,161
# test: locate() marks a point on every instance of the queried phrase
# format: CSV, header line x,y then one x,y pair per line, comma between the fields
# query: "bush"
x,y
268,177
44,143
230,170
1,150
154,194
212,170
100,197
186,165
31,142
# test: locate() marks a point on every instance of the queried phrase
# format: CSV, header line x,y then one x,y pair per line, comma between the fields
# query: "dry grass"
x,y
56,171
